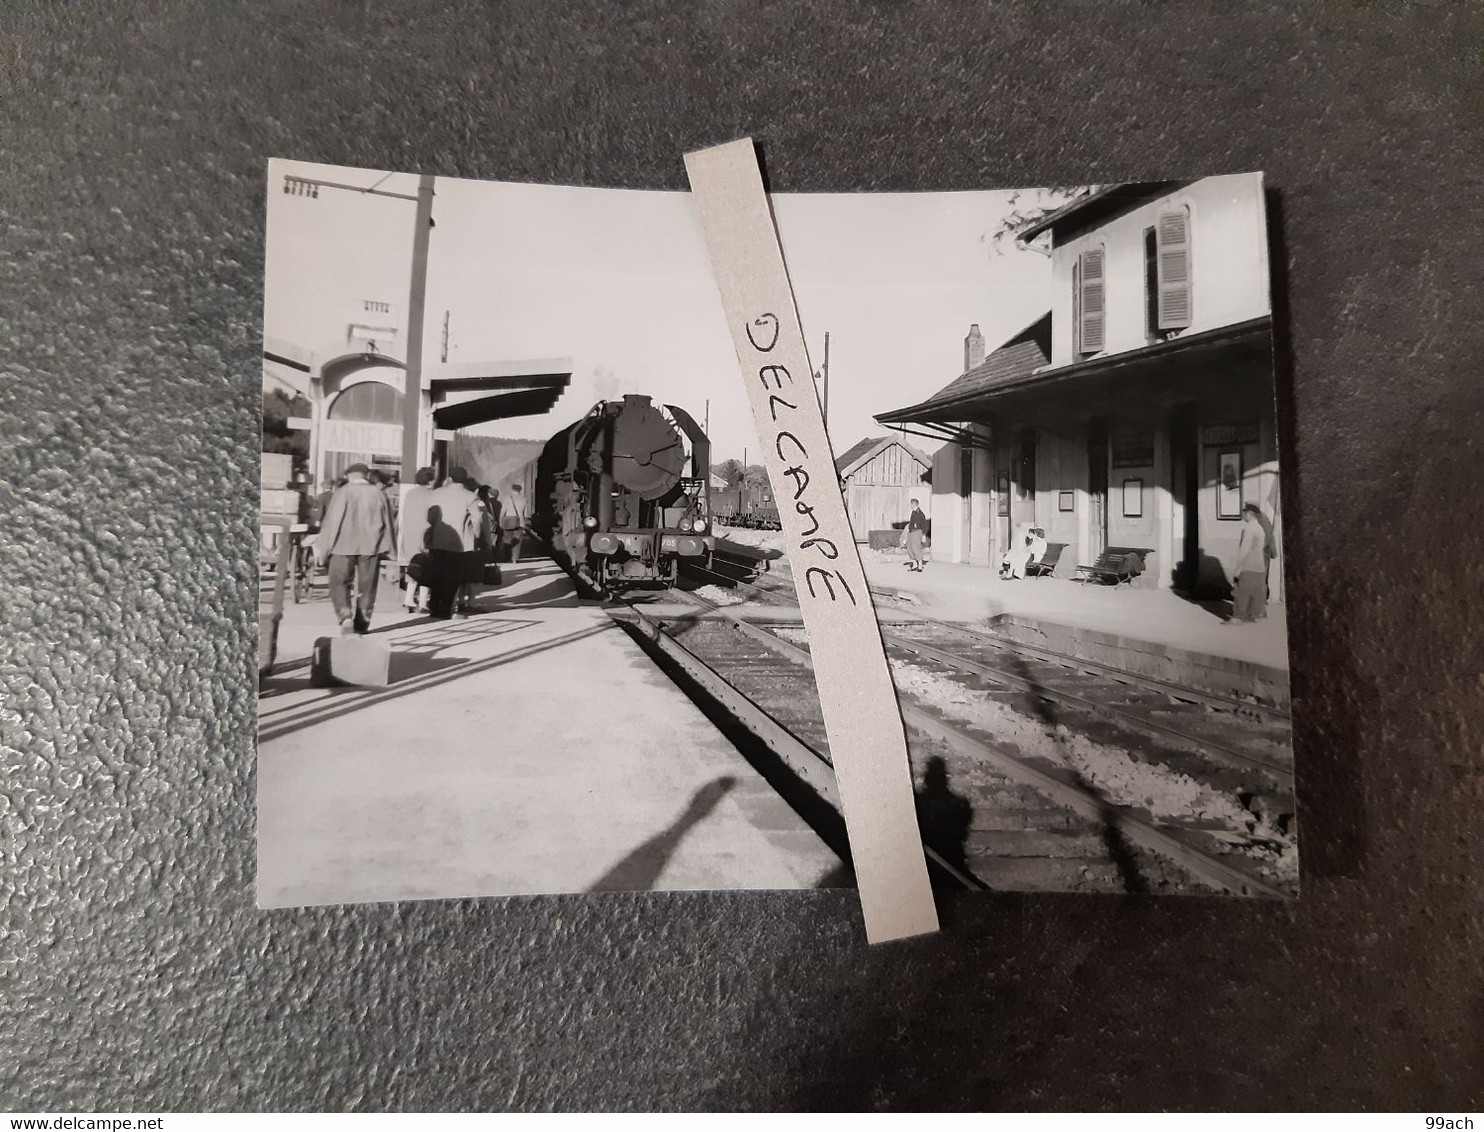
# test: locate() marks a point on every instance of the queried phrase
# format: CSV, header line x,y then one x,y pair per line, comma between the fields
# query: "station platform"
x,y
531,748
954,591
1153,632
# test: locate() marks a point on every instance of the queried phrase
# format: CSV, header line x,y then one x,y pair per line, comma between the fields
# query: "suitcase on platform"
x,y
350,660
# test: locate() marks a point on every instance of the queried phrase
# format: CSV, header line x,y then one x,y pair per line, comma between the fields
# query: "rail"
x,y
1278,773
1172,842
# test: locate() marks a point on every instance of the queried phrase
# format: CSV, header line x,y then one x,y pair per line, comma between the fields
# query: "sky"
x,y
618,281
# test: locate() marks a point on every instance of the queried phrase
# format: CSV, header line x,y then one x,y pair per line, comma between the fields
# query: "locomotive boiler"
x,y
623,494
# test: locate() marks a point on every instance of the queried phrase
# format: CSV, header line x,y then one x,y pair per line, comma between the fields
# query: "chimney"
x,y
973,348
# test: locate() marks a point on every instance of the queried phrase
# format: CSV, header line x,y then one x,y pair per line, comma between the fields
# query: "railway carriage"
x,y
751,506
622,495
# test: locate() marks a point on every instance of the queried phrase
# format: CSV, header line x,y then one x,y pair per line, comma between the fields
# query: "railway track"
x,y
1212,745
991,816
1237,744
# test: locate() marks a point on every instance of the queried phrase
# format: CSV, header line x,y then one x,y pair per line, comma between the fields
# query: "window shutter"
x,y
1173,265
1091,316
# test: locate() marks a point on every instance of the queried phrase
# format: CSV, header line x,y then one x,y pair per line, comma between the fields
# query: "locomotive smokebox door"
x,y
648,454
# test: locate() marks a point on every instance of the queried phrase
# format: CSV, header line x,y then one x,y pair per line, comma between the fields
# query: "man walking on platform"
x,y
356,532
496,507
453,541
513,522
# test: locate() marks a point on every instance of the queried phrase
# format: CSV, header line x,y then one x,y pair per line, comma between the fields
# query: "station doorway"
x,y
1097,487
1185,482
1025,479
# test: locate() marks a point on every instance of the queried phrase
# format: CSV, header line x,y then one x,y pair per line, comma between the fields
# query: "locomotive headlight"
x,y
699,526
591,523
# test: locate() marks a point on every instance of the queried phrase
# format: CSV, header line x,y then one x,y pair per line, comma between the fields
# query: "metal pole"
x,y
825,369
412,395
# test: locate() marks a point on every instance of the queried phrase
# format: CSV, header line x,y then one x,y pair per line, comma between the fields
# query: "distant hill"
x,y
494,460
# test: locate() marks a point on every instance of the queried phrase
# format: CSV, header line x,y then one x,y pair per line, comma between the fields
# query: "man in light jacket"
x,y
513,522
356,532
1249,591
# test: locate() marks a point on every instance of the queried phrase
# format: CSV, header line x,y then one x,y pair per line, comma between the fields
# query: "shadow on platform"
x,y
641,869
556,593
343,701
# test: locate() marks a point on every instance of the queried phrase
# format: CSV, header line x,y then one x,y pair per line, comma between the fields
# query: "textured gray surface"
x,y
136,972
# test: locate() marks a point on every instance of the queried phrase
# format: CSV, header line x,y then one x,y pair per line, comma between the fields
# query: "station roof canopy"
x,y
462,393
1009,365
472,393
1016,380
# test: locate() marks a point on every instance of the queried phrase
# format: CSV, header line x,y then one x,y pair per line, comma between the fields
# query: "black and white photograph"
x,y
527,618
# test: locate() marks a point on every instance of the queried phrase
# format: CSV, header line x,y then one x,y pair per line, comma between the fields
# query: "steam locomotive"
x,y
624,493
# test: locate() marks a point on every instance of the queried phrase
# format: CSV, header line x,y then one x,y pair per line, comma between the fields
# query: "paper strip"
x,y
867,743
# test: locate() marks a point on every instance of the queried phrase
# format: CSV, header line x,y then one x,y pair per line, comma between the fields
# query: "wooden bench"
x,y
1116,564
1046,564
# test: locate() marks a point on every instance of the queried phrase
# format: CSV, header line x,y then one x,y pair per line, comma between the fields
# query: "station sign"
x,y
361,436
1133,448
1242,432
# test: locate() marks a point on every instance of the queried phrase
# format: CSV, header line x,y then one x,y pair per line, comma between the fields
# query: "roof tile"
x,y
1026,352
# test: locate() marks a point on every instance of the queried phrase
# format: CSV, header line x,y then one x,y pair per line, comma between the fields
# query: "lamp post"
x,y
412,393
823,376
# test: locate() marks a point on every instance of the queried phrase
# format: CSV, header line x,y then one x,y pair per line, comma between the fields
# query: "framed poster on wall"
x,y
1229,485
1066,501
1002,494
1133,499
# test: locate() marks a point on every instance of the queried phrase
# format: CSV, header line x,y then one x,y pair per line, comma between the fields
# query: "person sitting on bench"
x,y
1026,547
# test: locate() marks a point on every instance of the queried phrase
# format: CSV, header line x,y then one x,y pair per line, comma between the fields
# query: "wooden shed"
x,y
881,476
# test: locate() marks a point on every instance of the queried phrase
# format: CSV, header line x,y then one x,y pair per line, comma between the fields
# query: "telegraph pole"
x,y
412,393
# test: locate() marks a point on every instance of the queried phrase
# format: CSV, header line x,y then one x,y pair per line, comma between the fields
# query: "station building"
x,y
1138,411
355,383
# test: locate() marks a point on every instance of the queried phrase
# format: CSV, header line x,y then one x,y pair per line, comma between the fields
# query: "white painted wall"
x,y
1229,264
947,508
963,533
